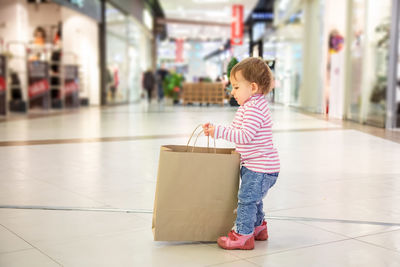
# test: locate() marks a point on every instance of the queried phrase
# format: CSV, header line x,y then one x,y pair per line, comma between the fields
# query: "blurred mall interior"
x,y
91,89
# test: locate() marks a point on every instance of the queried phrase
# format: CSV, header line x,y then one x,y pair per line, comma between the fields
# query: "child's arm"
x,y
209,128
252,121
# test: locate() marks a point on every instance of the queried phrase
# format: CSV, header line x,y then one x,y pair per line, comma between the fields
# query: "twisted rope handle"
x,y
197,136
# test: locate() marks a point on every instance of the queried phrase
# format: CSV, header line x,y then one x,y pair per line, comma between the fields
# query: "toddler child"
x,y
251,131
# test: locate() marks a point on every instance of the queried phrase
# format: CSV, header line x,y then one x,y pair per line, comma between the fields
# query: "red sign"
x,y
2,72
70,87
38,88
179,50
237,25
2,84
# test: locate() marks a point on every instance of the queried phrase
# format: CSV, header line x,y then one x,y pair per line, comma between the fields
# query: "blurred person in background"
x,y
39,36
149,83
161,74
39,40
55,63
116,82
110,84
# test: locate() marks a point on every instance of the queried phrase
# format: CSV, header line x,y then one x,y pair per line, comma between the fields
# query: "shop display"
x,y
376,114
17,102
128,55
55,79
288,72
38,84
3,85
378,94
71,86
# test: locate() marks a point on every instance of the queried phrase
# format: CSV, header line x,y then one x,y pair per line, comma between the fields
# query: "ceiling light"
x,y
209,1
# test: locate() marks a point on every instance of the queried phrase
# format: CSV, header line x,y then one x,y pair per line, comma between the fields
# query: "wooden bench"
x,y
203,93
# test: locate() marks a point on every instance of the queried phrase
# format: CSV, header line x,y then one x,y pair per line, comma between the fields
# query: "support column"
x,y
103,54
391,112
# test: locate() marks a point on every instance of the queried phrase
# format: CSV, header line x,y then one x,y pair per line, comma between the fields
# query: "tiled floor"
x,y
336,202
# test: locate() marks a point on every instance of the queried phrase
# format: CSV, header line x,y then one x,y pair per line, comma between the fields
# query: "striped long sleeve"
x,y
251,131
252,120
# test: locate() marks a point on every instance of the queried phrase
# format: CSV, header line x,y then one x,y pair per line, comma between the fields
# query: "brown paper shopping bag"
x,y
196,193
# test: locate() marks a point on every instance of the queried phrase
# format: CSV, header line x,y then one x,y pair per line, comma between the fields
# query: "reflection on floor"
x,y
76,177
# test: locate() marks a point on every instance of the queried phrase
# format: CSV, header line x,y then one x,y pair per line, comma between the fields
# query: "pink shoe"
x,y
261,232
236,241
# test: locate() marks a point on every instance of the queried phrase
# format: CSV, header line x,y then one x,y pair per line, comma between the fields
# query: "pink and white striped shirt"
x,y
251,131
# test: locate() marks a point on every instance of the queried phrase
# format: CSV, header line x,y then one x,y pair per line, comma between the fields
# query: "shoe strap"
x,y
233,235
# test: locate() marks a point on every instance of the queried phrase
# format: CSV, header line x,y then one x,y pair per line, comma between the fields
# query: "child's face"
x,y
242,89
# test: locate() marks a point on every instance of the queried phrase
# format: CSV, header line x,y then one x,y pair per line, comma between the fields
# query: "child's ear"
x,y
254,87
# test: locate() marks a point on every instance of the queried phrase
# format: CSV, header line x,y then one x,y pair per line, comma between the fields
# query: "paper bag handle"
x,y
195,141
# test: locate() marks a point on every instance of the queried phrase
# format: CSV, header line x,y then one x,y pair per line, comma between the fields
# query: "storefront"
x,y
346,52
52,53
129,54
66,53
344,55
286,47
393,94
367,62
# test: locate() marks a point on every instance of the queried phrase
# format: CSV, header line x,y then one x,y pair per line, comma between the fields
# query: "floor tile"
x,y
53,227
359,217
349,253
351,229
135,249
285,235
30,257
241,263
389,240
35,192
11,242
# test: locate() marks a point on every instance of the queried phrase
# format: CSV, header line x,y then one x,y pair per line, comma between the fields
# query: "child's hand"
x,y
209,129
205,128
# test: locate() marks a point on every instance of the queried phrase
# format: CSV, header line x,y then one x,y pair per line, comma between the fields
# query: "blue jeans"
x,y
253,189
160,92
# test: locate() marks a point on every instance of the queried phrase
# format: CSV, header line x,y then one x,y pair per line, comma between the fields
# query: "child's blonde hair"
x,y
255,70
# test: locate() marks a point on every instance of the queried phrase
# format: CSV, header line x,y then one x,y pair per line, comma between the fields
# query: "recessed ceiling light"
x,y
209,1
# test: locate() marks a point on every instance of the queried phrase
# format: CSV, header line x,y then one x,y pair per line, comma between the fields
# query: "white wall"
x,y
80,36
14,28
311,92
13,20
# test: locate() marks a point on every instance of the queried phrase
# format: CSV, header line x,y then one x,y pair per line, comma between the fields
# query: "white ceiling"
x,y
219,11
